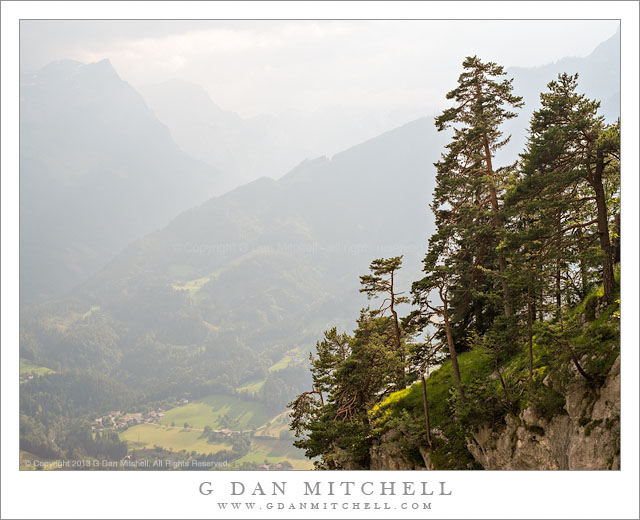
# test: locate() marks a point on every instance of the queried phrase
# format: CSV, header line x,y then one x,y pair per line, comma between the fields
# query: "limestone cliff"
x,y
584,436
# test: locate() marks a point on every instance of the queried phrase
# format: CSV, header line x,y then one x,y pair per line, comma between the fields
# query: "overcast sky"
x,y
254,67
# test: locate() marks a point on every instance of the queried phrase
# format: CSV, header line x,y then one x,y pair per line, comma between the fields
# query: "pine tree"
x,y
422,356
422,291
464,249
351,373
381,281
468,183
570,172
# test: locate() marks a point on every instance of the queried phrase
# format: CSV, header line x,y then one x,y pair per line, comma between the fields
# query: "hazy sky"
x,y
254,67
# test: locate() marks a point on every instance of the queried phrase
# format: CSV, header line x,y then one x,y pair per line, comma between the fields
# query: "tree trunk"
x,y
558,288
426,410
502,264
452,348
616,239
530,327
504,385
401,381
603,230
574,358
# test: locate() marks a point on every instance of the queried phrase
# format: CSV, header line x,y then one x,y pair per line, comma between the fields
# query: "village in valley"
x,y
116,420
119,421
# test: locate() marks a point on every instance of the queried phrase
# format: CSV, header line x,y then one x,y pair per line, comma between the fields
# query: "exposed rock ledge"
x,y
388,454
585,438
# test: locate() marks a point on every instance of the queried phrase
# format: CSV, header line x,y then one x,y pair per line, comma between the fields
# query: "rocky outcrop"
x,y
585,437
391,452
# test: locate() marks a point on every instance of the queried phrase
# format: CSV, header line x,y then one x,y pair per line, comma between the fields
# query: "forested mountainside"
x,y
97,170
518,310
230,297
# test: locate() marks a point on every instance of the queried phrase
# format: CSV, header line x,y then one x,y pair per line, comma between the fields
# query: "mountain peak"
x,y
104,64
61,71
102,69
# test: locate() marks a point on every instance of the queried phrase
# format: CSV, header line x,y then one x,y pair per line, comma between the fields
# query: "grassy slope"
x,y
26,456
252,387
473,365
146,436
293,355
273,451
192,286
27,368
176,439
274,426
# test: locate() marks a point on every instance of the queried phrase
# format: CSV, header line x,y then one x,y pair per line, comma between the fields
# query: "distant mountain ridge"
x,y
90,146
263,145
599,76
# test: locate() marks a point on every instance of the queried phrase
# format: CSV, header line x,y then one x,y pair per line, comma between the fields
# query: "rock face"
x,y
586,437
390,454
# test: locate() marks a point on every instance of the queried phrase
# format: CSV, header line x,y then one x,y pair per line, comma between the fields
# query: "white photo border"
x,y
508,494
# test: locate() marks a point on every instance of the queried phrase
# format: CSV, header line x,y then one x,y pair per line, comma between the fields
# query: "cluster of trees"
x,y
56,411
240,443
70,439
515,247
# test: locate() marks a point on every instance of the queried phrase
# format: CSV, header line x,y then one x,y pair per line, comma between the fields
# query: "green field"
x,y
273,451
243,415
27,368
146,436
273,427
252,387
171,438
193,286
290,356
91,310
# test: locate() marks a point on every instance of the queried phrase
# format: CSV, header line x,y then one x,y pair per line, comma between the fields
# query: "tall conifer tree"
x,y
570,174
469,185
381,282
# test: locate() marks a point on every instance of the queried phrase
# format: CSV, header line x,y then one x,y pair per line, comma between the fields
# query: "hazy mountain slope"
x,y
97,170
266,145
243,148
599,76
